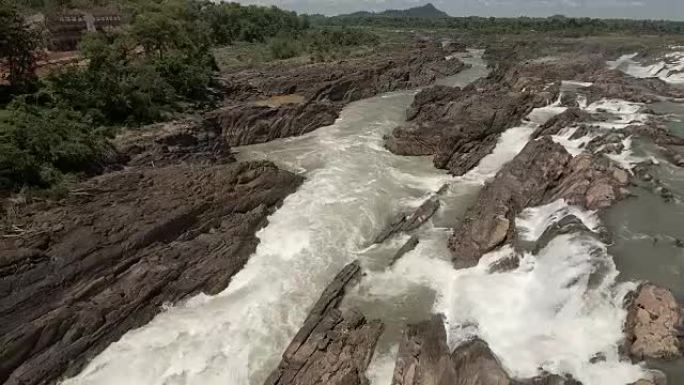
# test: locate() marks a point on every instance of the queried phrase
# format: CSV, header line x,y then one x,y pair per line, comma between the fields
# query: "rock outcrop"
x,y
249,124
614,84
543,172
265,105
654,324
333,347
461,126
424,359
77,274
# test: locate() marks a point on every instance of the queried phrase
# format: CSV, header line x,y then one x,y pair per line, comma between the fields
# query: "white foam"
x,y
575,84
669,69
626,159
509,144
532,222
238,336
555,312
625,113
573,146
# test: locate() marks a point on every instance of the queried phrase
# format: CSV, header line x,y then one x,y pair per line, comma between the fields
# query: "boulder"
x,y
333,347
654,324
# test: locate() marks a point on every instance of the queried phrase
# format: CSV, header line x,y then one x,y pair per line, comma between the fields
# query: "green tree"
x,y
18,44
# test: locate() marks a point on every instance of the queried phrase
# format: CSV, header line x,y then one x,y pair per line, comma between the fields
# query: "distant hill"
x,y
427,11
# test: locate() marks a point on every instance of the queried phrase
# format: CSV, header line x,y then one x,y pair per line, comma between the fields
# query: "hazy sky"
x,y
642,9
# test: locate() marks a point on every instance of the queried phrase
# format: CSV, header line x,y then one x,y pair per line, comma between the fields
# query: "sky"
x,y
640,9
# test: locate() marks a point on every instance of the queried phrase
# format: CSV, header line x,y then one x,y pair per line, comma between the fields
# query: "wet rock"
x,y
590,181
548,379
652,324
332,347
570,117
614,84
543,172
519,184
475,364
460,127
424,359
87,269
567,225
408,246
407,223
505,264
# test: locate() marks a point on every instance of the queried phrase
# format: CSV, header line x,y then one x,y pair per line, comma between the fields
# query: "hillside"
x,y
427,11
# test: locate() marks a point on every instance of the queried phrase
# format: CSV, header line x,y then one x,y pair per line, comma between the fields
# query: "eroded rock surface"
x,y
424,359
543,172
654,324
265,105
460,127
77,274
333,347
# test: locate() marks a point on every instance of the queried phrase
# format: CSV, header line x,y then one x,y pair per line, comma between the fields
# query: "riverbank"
x,y
491,223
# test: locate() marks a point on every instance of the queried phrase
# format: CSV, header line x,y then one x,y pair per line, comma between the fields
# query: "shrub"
x,y
39,145
283,48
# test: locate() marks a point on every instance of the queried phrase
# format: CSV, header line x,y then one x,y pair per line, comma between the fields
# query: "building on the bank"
x,y
66,29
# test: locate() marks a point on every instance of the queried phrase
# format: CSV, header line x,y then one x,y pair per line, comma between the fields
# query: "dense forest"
x,y
560,24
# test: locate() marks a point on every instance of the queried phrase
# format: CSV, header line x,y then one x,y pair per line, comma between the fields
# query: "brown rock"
x,y
317,93
332,347
521,183
652,323
87,269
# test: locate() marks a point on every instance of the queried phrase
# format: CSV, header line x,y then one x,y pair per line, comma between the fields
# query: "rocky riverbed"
x,y
371,232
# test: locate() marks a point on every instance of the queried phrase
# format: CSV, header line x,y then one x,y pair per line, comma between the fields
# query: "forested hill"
x,y
427,11
415,18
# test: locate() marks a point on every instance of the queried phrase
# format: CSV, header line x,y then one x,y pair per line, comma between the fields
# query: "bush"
x,y
283,48
38,145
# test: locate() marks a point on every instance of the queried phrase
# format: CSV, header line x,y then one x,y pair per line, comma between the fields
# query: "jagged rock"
x,y
568,118
312,96
543,172
408,246
332,347
104,261
522,182
614,84
424,359
460,127
548,379
475,364
654,324
406,223
248,124
567,225
169,143
590,181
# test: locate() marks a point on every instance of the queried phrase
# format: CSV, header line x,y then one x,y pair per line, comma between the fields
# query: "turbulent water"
x,y
556,312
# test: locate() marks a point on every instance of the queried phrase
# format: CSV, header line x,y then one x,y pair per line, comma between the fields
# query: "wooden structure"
x,y
67,28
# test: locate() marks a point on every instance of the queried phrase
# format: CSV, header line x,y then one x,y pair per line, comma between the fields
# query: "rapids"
x,y
557,312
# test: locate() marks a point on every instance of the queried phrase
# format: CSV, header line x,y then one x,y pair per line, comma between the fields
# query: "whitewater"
x,y
557,312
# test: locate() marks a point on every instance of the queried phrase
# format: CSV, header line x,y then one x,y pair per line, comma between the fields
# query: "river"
x,y
559,310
